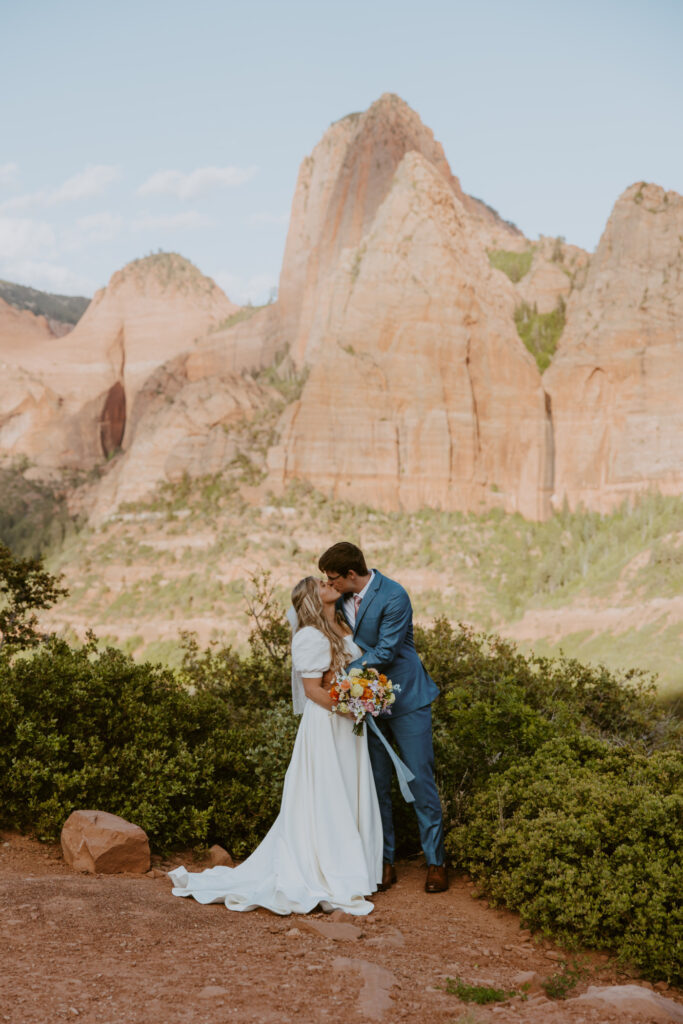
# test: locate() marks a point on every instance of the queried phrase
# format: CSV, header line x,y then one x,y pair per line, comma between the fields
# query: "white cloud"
x,y
257,289
194,183
87,183
21,237
268,219
47,276
171,222
92,230
8,173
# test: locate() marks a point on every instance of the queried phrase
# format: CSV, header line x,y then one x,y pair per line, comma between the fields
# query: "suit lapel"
x,y
368,599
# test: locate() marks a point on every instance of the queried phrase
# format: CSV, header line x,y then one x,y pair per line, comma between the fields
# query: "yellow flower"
x,y
391,698
356,689
344,708
355,672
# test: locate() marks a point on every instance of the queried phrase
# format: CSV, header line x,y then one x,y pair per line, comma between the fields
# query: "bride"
x,y
325,846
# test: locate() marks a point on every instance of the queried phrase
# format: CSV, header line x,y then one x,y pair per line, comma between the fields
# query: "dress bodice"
x,y
352,647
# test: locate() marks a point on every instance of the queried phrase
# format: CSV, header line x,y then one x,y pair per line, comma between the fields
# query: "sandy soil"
x,y
122,950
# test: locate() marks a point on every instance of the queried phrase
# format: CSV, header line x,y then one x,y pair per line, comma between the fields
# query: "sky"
x,y
137,126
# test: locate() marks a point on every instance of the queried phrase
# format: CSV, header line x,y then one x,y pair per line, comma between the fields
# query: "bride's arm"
x,y
314,690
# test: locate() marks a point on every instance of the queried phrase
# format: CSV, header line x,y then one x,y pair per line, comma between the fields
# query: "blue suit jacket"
x,y
384,632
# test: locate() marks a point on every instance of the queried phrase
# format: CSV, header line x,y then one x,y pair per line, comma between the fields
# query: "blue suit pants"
x,y
413,735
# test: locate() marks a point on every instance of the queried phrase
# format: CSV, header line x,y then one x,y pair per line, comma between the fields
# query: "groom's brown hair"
x,y
342,558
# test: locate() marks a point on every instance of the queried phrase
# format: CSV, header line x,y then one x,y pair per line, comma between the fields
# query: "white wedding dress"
x,y
325,846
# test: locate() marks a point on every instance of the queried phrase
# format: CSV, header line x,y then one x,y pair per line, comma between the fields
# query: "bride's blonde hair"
x,y
308,606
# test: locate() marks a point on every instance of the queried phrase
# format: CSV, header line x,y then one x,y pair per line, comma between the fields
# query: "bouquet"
x,y
362,692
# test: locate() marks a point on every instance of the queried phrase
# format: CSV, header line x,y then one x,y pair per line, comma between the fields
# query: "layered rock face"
x,y
421,392
20,328
151,310
190,415
617,377
340,188
556,270
183,423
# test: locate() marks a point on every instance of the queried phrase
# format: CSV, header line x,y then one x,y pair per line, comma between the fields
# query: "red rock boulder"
x,y
96,841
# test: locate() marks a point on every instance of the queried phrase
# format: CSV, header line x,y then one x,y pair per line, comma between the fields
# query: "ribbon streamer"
x,y
403,772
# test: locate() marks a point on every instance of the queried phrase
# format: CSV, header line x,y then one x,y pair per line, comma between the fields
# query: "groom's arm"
x,y
393,630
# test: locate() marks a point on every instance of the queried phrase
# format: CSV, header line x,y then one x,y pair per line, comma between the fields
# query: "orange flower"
x,y
382,678
367,693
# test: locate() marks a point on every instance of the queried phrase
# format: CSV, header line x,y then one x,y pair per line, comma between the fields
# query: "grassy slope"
x,y
599,587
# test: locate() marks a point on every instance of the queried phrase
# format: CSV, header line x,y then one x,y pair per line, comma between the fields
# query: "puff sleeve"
x,y
311,652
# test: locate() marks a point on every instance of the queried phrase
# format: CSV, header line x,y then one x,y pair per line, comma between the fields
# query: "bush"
x,y
562,787
584,841
515,264
541,332
89,728
24,587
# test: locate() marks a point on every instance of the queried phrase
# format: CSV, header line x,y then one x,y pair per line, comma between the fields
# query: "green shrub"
x,y
584,840
480,994
541,332
562,787
515,264
34,516
89,728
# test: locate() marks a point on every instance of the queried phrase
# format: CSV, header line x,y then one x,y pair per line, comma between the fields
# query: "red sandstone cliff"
x,y
421,392
617,378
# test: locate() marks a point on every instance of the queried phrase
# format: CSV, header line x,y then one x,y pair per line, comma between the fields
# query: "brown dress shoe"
x,y
388,877
437,878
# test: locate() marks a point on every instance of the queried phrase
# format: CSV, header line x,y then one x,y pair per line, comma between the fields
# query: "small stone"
x,y
552,955
632,999
340,915
374,999
219,857
389,937
528,981
292,933
662,986
212,992
336,930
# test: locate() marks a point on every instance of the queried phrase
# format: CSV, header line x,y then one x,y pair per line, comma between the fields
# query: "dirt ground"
x,y
121,949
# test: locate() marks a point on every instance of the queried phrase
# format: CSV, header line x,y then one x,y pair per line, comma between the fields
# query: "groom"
x,y
380,614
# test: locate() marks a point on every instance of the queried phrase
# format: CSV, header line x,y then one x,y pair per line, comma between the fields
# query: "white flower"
x,y
355,672
357,689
